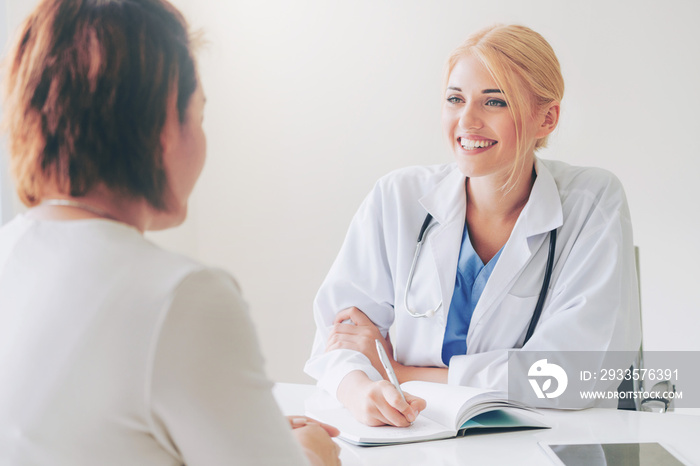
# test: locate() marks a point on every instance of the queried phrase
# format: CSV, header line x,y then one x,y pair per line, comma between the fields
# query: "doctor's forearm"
x,y
428,374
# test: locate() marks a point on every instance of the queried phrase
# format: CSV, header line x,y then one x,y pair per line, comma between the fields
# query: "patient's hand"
x,y
315,439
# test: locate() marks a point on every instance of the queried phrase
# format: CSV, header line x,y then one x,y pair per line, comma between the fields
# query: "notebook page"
x,y
445,402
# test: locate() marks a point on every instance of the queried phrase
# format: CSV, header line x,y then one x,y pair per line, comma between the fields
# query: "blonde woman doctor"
x,y
488,222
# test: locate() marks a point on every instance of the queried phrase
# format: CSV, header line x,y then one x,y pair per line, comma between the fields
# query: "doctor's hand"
x,y
359,337
377,403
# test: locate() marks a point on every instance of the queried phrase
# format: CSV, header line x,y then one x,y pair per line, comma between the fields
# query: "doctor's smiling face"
x,y
478,125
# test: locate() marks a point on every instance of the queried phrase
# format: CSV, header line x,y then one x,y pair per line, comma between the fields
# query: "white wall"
x,y
309,102
6,208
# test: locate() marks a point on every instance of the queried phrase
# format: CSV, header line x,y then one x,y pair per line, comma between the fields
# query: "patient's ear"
x,y
171,127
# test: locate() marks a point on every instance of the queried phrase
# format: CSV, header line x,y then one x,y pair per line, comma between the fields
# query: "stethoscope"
x,y
431,312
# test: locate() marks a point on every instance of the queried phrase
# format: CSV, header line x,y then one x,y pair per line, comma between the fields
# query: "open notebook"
x,y
451,411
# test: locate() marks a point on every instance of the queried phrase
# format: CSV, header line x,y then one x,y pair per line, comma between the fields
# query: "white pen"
x,y
387,367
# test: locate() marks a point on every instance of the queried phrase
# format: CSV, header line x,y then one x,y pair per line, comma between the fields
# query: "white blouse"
x,y
114,351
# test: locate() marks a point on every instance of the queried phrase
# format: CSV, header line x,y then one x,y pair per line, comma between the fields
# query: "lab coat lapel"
x,y
541,214
447,204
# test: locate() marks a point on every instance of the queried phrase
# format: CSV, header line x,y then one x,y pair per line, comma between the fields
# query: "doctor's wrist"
x,y
350,386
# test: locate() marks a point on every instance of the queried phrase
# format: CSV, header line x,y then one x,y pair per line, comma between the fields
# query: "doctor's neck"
x,y
486,196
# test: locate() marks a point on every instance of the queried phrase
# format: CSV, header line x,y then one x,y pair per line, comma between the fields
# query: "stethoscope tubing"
x,y
421,236
431,312
545,286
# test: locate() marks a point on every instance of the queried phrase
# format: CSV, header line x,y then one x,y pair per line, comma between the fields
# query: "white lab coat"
x,y
592,304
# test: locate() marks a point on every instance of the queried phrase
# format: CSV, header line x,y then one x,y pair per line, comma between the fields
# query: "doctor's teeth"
x,y
470,144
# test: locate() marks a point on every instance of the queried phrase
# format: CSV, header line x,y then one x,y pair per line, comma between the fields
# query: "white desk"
x,y
679,431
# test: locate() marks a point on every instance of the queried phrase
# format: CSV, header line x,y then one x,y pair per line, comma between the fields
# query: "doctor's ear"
x,y
549,119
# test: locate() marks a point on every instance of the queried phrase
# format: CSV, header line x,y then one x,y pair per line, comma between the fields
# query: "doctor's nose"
x,y
470,117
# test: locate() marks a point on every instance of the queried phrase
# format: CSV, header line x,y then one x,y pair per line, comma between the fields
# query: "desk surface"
x,y
679,432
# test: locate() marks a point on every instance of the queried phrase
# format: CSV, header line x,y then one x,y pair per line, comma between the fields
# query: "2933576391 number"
x,y
639,374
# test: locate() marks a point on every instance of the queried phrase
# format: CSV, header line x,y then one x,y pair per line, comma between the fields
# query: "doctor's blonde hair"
x,y
525,68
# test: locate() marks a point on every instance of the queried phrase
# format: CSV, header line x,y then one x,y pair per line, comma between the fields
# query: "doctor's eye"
x,y
496,103
454,99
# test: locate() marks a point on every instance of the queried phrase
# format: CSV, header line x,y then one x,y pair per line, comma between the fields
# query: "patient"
x,y
113,351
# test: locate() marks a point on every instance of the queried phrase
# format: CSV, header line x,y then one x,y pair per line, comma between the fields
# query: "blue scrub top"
x,y
472,276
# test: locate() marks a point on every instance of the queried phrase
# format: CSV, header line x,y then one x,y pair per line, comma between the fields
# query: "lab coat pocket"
x,y
505,328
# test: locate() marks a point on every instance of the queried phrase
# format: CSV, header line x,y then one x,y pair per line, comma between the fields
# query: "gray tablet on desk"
x,y
609,454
